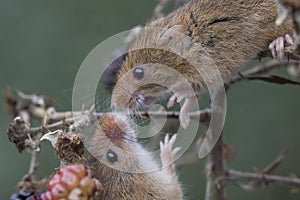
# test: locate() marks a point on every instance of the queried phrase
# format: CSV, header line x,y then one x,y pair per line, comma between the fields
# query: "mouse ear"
x,y
110,73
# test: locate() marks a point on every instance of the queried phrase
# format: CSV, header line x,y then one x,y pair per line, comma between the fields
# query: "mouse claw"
x,y
175,98
52,137
184,117
172,101
180,98
281,45
189,102
167,153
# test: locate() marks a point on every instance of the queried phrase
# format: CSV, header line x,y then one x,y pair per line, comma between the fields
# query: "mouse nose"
x,y
112,127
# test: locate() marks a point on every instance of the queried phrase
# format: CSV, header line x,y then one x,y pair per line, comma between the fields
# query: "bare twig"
x,y
254,180
237,177
268,170
214,170
274,165
263,69
202,116
82,119
22,123
32,167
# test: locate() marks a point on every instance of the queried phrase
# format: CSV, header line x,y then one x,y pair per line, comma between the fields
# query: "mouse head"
x,y
144,77
154,64
113,143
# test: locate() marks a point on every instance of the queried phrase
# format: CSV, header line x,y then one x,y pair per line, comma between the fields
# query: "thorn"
x,y
92,109
45,119
82,108
52,137
29,137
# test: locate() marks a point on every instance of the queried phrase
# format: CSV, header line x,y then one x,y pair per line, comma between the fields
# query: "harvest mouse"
x,y
229,32
125,168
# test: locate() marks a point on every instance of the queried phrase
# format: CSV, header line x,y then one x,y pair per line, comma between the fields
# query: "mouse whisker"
x,y
129,139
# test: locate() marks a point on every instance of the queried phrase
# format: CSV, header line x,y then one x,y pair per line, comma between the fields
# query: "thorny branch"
x,y
218,174
214,169
21,122
262,178
267,170
263,68
237,177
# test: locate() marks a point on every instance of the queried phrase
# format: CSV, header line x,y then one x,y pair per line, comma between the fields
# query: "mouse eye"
x,y
138,73
111,156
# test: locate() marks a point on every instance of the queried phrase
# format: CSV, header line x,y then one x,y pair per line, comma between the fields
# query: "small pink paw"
x,y
167,153
189,103
281,45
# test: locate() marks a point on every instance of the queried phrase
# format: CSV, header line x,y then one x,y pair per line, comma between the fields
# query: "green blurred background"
x,y
43,43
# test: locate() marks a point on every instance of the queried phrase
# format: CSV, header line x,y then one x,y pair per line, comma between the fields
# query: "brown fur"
x,y
231,32
127,179
294,3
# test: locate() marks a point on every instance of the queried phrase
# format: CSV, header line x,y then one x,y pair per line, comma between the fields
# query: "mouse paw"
x,y
177,97
167,153
189,102
184,117
281,45
172,101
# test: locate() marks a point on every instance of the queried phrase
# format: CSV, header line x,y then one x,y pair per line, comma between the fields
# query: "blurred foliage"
x,y
42,44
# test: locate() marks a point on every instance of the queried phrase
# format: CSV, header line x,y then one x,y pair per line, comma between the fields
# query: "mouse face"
x,y
140,86
114,143
148,71
145,77
125,168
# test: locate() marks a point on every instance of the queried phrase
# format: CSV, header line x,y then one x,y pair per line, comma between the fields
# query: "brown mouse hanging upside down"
x,y
230,32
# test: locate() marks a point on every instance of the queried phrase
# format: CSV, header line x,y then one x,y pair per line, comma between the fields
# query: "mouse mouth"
x,y
138,100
